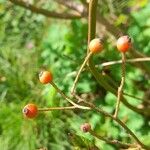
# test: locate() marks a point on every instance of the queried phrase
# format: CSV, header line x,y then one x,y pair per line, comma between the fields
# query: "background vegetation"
x,y
30,42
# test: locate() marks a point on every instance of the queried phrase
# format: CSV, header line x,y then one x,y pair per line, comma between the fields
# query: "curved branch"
x,y
45,12
74,6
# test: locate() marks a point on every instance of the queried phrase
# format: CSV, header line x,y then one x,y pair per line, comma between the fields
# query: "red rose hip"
x,y
30,111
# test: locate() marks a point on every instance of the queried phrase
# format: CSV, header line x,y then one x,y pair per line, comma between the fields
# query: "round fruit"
x,y
45,77
124,43
95,46
86,127
30,111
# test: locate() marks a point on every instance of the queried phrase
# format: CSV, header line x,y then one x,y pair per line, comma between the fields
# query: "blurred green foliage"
x,y
31,42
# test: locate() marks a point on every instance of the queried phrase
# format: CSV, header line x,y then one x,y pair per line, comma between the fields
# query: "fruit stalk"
x,y
120,88
67,98
57,108
79,72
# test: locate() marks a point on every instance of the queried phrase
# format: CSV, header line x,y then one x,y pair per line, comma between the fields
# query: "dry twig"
x,y
45,12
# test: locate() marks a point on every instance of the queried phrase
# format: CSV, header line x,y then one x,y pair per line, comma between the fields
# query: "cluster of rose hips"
x,y
45,77
31,110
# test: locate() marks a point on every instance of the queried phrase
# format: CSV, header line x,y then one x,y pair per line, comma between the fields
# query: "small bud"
x,y
86,127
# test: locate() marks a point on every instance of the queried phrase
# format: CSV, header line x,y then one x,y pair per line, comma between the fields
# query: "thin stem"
x,y
120,89
58,108
92,20
127,61
143,66
79,72
66,97
74,73
45,12
113,83
110,141
132,96
93,107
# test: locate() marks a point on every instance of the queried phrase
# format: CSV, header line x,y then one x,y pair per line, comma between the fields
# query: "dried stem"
x,y
79,72
66,97
45,12
110,141
58,108
120,89
127,61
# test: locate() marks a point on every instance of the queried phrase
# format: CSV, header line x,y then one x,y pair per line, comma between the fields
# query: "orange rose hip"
x,y
95,45
45,77
124,43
